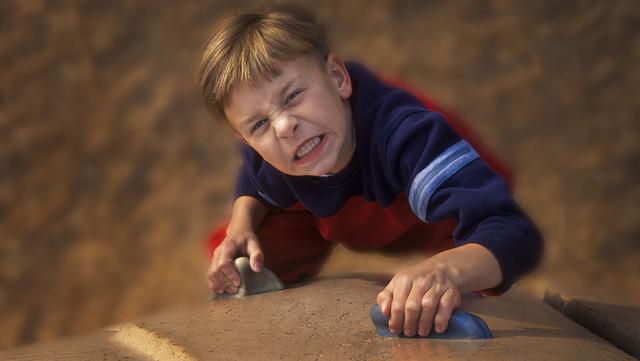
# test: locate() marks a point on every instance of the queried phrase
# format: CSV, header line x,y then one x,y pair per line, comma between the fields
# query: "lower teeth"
x,y
296,157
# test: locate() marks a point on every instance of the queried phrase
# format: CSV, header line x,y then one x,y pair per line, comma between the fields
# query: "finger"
x,y
221,282
256,257
400,293
212,264
413,308
448,303
429,306
384,301
210,276
215,286
224,263
229,271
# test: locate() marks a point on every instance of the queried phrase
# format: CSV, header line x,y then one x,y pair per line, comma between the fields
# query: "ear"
x,y
338,73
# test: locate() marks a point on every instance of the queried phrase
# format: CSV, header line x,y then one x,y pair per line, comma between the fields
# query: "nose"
x,y
284,125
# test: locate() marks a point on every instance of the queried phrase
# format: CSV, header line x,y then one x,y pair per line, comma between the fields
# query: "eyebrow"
x,y
281,94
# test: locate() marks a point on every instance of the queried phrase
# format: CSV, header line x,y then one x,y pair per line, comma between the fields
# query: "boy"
x,y
332,154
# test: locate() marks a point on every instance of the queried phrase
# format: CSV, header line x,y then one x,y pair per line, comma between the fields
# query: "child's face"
x,y
300,121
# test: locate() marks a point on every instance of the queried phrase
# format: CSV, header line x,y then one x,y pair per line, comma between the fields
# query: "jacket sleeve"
x,y
258,179
444,177
245,186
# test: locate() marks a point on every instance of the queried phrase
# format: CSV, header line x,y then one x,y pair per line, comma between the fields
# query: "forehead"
x,y
246,97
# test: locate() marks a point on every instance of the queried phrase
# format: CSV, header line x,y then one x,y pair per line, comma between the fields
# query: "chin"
x,y
315,170
326,167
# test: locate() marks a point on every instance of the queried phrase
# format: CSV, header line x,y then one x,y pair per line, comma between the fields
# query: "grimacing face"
x,y
300,121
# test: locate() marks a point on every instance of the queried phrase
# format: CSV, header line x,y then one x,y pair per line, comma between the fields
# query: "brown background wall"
x,y
111,173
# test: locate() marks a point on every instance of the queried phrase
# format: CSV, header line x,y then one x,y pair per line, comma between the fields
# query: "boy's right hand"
x,y
222,275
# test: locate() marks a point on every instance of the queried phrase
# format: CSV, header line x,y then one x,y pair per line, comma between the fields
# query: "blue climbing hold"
x,y
462,325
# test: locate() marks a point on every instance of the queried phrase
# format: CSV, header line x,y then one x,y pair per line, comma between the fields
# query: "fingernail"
x,y
394,331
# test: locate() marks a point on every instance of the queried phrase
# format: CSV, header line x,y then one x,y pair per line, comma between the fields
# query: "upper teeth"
x,y
307,147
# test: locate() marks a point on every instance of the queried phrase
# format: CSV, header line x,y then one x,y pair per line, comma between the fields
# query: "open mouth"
x,y
308,147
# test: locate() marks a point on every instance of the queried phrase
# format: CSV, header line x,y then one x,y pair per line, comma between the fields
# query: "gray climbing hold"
x,y
251,282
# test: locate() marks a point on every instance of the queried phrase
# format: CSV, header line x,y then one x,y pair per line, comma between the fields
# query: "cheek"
x,y
308,109
324,112
268,149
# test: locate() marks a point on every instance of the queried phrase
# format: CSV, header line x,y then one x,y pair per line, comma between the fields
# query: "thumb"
x,y
256,257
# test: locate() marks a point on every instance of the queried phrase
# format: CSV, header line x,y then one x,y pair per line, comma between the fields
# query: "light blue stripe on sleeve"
x,y
437,172
267,198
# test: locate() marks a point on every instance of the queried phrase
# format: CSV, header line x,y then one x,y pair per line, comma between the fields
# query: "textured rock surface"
x,y
329,320
617,322
111,173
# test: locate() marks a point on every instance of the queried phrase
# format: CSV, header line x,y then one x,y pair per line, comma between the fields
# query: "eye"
x,y
292,96
258,124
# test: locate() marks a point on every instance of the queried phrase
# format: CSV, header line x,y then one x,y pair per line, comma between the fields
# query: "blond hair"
x,y
247,46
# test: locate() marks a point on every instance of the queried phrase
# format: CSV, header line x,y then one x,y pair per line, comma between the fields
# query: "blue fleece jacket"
x,y
409,165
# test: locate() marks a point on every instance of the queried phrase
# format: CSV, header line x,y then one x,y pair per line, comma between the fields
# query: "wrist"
x,y
470,267
247,213
239,226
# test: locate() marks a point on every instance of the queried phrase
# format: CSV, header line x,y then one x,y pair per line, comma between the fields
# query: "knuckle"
x,y
403,278
397,308
423,282
428,279
428,302
412,307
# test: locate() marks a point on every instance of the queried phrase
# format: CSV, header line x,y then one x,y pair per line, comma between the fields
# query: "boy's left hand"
x,y
419,296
